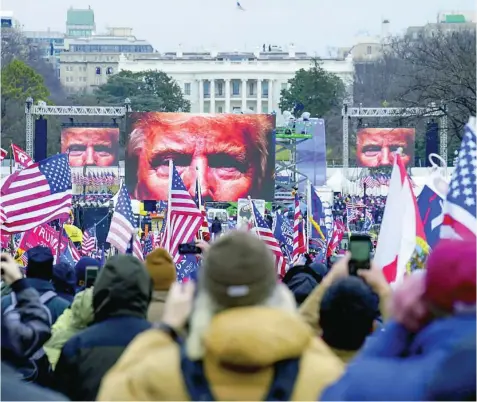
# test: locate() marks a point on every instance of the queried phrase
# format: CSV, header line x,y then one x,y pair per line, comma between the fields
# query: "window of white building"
x,y
187,88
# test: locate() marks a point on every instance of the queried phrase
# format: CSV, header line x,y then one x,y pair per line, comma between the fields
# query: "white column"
x,y
201,96
259,96
244,95
270,96
227,96
212,96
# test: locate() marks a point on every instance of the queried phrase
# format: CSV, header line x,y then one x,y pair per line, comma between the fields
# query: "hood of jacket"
x,y
72,321
256,337
123,288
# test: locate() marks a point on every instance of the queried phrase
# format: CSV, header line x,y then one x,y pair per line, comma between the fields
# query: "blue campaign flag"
x,y
318,214
187,267
430,208
283,232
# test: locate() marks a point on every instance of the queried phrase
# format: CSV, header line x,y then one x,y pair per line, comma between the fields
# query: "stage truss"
x,y
288,140
42,109
363,112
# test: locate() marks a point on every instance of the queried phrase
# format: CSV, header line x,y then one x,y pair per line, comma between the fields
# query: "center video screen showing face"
x,y
375,147
91,146
234,154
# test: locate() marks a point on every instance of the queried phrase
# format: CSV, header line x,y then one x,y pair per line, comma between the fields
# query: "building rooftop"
x,y
44,34
107,40
80,17
232,56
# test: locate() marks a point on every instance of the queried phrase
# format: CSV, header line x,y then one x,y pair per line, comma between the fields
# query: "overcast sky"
x,y
312,25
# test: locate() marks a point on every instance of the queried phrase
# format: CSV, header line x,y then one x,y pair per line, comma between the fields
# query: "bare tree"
x,y
439,69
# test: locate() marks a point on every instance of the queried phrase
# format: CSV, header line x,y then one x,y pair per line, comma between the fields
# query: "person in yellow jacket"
x,y
338,290
246,340
72,321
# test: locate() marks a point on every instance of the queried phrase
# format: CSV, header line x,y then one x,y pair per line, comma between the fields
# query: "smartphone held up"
x,y
360,247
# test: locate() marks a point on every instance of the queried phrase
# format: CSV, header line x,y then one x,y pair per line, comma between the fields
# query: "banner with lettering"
x,y
21,157
283,232
43,235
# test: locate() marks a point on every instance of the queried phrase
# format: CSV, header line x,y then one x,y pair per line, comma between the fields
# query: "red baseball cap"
x,y
451,275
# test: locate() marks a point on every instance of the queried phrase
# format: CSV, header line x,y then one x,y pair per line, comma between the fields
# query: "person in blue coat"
x,y
39,274
434,318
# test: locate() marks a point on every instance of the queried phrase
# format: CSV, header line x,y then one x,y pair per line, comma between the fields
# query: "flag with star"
x,y
36,195
122,225
459,207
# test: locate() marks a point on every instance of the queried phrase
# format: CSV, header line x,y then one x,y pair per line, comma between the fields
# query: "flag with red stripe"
x,y
459,208
185,219
36,195
262,230
298,233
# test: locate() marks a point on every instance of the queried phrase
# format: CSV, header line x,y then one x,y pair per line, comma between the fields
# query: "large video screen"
x,y
375,147
234,154
91,146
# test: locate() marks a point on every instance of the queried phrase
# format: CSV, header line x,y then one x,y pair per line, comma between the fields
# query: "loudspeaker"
x,y
150,205
41,140
432,139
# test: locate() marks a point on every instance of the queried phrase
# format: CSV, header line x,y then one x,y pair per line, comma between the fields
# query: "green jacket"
x,y
72,321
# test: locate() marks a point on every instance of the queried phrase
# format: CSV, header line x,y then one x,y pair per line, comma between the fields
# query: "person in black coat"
x,y
121,296
216,227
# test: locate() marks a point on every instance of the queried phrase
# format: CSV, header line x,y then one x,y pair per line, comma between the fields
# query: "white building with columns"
x,y
227,82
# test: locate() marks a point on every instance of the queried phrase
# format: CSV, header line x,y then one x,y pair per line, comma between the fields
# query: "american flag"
x,y
204,229
3,154
265,233
122,225
24,259
370,182
74,252
298,235
351,212
185,218
35,195
89,240
459,207
137,248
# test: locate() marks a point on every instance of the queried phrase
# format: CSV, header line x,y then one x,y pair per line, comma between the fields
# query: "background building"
x,y
447,21
224,82
50,44
88,62
80,22
367,47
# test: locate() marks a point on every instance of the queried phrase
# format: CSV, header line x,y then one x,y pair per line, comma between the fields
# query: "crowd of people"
x,y
372,204
234,332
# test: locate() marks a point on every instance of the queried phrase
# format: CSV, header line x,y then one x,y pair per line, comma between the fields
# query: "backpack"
x,y
281,389
37,366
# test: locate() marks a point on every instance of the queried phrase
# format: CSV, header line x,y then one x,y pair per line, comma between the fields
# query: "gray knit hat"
x,y
238,270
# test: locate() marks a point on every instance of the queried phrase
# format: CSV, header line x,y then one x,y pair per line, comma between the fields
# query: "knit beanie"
x,y
238,270
161,268
40,263
450,280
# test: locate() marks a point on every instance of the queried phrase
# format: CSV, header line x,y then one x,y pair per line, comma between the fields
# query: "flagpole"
x,y
169,201
308,214
12,156
257,232
60,238
199,197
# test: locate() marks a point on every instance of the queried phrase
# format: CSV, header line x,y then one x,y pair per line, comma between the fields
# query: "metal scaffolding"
x,y
363,112
42,109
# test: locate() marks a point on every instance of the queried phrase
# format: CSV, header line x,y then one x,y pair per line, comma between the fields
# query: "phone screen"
x,y
90,276
360,250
